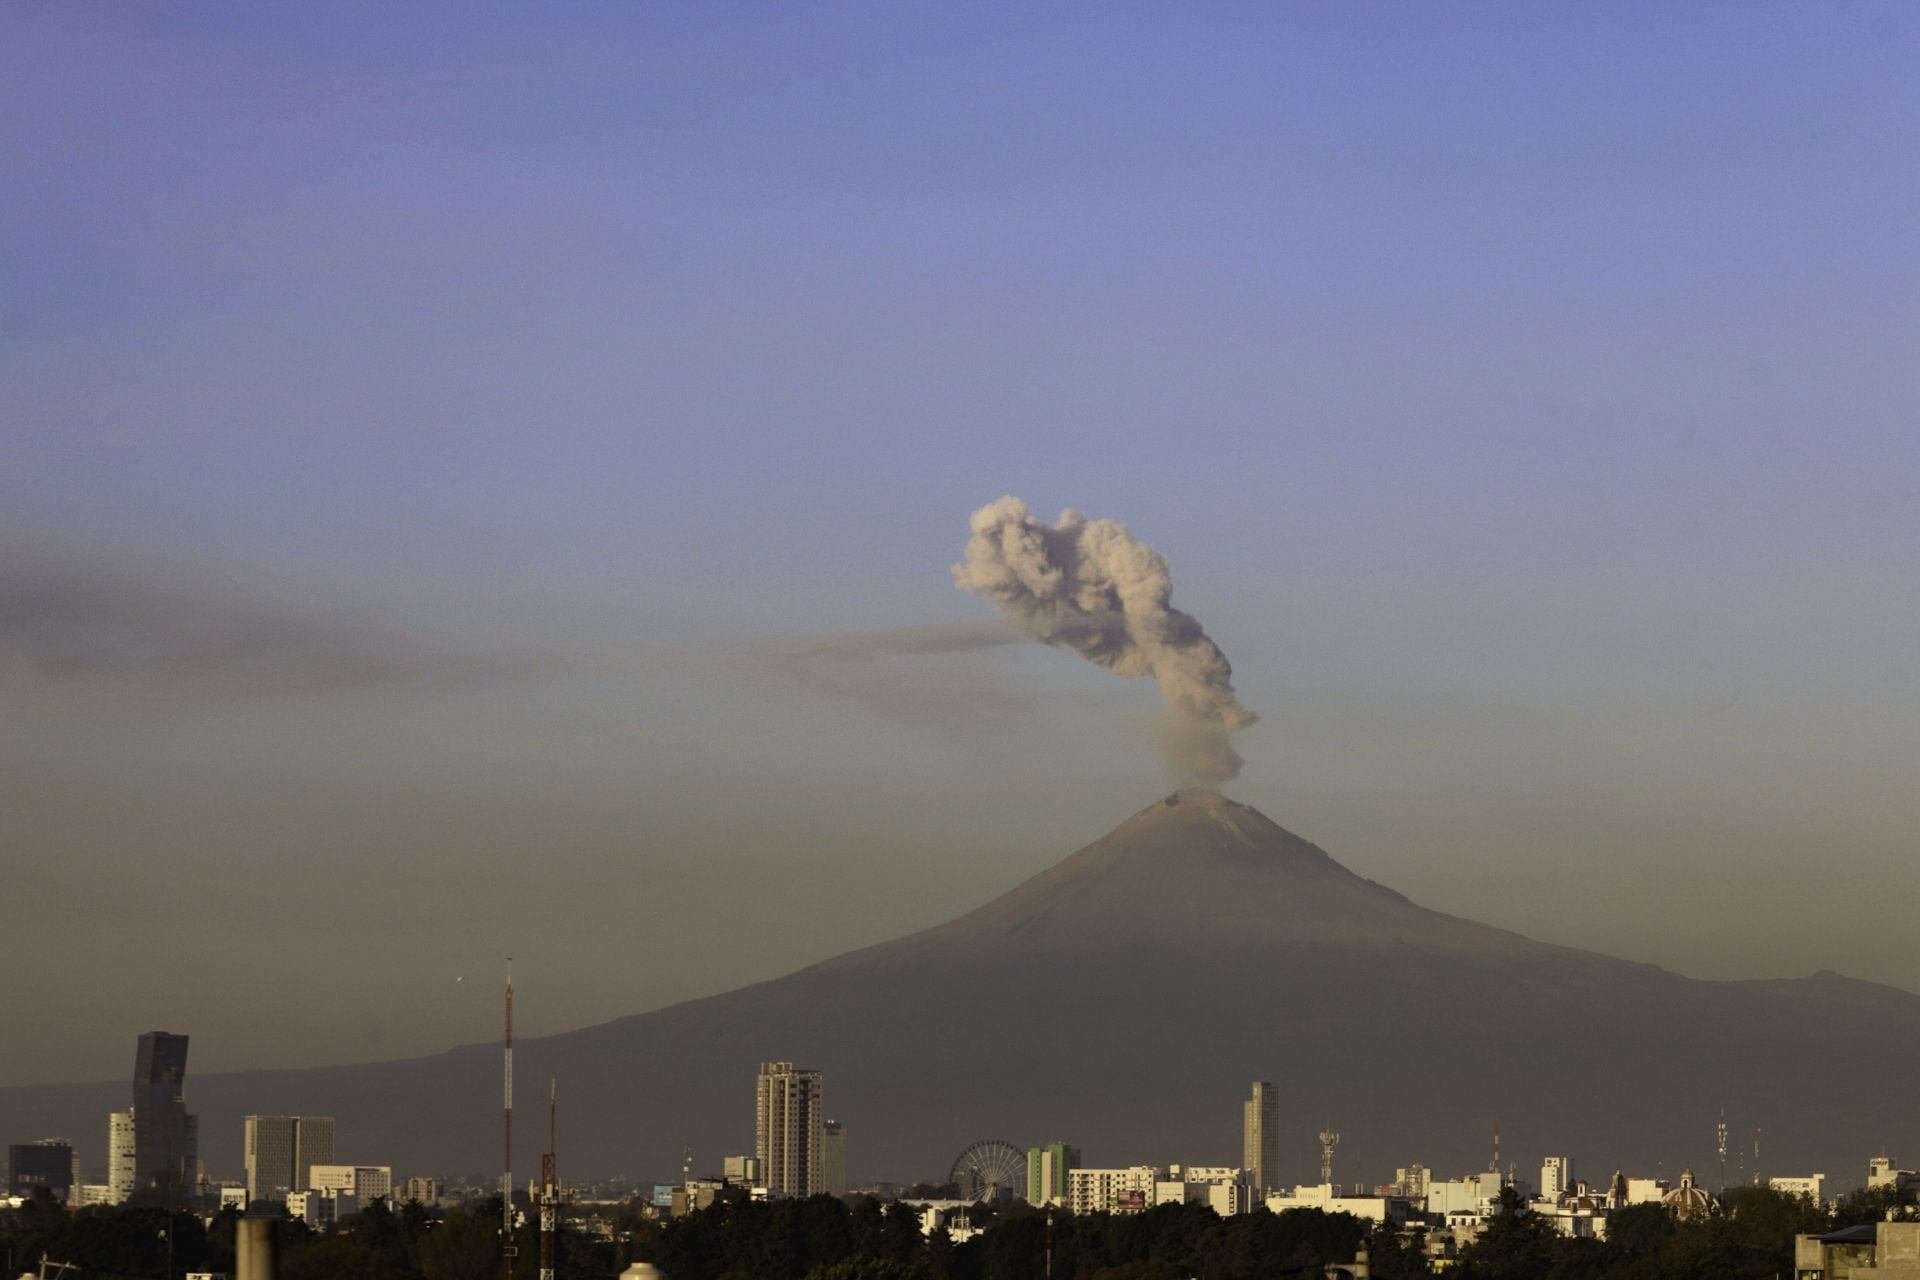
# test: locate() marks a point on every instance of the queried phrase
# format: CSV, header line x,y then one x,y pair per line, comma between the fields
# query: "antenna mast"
x,y
1328,1141
1721,1133
549,1187
506,1176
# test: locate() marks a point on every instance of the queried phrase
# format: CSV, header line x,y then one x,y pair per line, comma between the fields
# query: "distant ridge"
x,y
1123,999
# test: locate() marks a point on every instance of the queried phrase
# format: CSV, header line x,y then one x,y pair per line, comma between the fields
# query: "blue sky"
x,y
1523,395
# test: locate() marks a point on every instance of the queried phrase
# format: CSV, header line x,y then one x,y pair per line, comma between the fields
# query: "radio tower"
x,y
549,1188
1328,1141
506,1175
1721,1132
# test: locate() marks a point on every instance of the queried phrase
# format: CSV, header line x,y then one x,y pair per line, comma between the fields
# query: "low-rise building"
x,y
1812,1186
1875,1251
1327,1199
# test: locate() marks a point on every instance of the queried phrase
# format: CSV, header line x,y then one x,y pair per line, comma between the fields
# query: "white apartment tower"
x,y
789,1138
1260,1137
120,1155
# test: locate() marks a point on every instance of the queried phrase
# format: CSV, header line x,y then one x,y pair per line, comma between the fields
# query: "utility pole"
x,y
506,1177
549,1187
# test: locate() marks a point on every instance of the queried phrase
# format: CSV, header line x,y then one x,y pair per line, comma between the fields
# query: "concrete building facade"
x,y
789,1130
281,1152
1260,1137
833,1158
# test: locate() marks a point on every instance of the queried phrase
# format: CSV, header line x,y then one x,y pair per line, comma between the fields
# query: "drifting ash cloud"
x,y
1092,587
69,615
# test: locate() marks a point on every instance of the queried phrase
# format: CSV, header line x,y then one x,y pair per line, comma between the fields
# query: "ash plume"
x,y
1091,586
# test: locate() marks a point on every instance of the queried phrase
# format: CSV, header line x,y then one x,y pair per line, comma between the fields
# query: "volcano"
x,y
1124,999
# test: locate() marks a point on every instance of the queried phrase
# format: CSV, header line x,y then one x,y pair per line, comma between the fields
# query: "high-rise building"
x,y
833,1158
1260,1137
1556,1177
119,1156
166,1157
1412,1181
47,1163
1047,1169
787,1129
281,1153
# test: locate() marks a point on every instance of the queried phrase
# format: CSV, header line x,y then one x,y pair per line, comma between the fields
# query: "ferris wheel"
x,y
991,1169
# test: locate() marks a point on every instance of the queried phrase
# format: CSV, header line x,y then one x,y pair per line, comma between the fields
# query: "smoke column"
x,y
1091,586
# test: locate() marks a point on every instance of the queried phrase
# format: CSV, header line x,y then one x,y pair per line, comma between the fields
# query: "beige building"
x,y
789,1130
366,1182
1260,1137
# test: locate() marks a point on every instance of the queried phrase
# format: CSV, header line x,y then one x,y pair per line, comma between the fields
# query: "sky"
x,y
483,481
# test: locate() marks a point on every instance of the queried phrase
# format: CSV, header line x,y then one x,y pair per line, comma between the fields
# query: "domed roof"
x,y
1688,1202
643,1271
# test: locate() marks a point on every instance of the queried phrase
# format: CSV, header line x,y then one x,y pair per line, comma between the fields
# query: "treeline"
x,y
827,1239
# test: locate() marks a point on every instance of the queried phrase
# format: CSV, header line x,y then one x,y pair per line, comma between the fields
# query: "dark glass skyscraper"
x,y
165,1138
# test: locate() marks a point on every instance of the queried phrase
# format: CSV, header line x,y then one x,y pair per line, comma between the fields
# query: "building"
x,y
1881,1250
1812,1187
1556,1177
166,1156
1881,1173
789,1130
741,1171
1411,1181
424,1190
1226,1191
47,1163
833,1158
93,1193
1260,1137
281,1152
1327,1199
365,1182
1047,1169
1476,1194
321,1209
1127,1190
1687,1202
119,1156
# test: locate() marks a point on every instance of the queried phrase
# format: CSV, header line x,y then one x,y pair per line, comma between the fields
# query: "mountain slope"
x,y
1123,999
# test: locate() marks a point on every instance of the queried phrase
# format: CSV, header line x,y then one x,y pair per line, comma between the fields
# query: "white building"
x,y
742,1171
233,1198
1647,1190
1327,1199
321,1209
1225,1190
425,1190
92,1193
1813,1186
1556,1177
953,1216
1881,1173
120,1155
368,1182
1127,1190
1412,1181
1476,1194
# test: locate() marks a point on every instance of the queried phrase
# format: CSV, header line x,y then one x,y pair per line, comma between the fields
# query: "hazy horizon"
x,y
482,486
